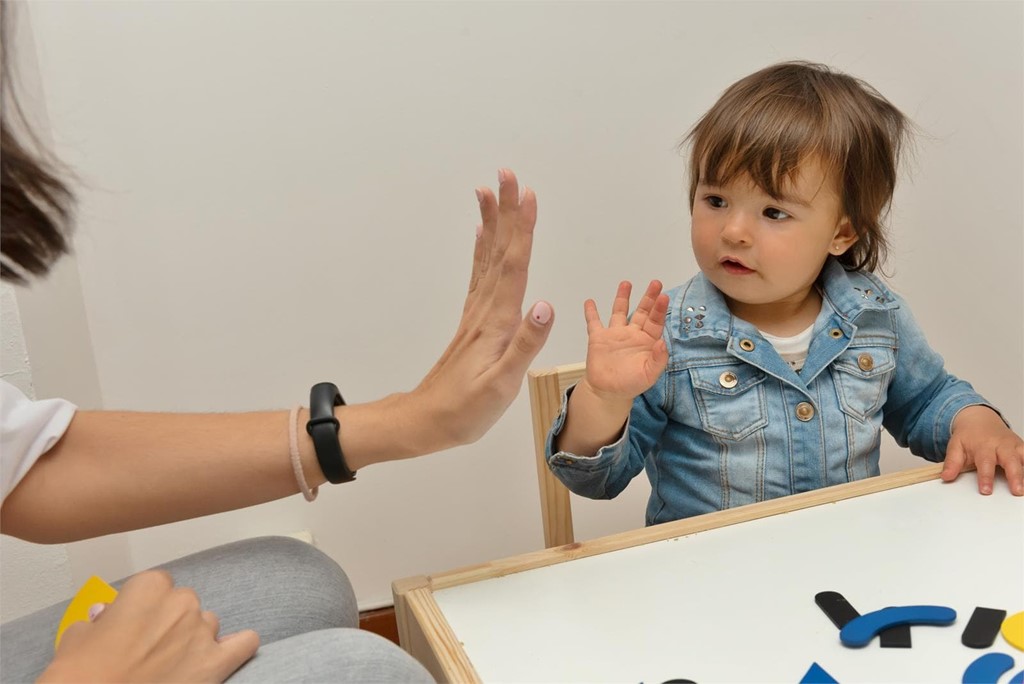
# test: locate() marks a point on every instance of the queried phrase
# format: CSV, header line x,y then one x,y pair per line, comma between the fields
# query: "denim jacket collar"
x,y
850,293
699,310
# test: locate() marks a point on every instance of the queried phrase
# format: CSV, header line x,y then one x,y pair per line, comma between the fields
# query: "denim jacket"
x,y
729,422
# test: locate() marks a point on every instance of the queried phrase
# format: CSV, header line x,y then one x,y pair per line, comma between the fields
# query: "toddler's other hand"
x,y
981,438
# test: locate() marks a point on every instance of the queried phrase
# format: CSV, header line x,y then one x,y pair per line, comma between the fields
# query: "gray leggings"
x,y
296,598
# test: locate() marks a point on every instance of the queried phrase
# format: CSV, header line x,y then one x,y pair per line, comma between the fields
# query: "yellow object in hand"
x,y
92,592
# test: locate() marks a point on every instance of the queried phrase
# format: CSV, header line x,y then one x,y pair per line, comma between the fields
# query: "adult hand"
x,y
981,438
482,370
152,632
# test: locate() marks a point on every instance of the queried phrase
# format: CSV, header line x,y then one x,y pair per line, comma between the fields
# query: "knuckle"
x,y
524,344
186,599
154,579
212,619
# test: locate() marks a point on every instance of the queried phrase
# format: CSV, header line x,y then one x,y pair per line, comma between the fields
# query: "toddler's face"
x,y
764,253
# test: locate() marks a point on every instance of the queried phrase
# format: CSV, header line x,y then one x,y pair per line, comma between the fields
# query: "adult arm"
x,y
117,471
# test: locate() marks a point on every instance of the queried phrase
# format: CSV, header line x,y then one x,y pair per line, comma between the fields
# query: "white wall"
x,y
281,193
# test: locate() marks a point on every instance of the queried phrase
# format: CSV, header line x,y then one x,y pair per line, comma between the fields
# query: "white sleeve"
x,y
28,429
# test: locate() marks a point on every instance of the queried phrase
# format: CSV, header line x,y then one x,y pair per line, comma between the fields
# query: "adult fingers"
x,y
95,610
234,650
72,633
508,190
478,258
508,203
147,581
211,619
511,264
485,236
527,342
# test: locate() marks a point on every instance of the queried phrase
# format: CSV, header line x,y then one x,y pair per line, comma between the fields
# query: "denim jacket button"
x,y
835,333
865,362
728,380
804,411
746,345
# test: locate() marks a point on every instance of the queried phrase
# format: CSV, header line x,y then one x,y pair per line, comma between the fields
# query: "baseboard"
x,y
380,621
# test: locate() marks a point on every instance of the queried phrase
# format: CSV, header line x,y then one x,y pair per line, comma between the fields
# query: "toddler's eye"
x,y
715,201
775,214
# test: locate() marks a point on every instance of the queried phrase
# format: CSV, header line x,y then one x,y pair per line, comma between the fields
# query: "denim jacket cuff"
x,y
948,413
601,460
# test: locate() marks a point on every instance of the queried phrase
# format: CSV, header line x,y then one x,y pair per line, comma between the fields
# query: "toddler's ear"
x,y
844,237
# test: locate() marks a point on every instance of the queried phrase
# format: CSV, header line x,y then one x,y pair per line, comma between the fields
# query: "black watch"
x,y
323,428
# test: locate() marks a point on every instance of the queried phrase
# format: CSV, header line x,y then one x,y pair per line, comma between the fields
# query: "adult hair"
x,y
35,203
766,124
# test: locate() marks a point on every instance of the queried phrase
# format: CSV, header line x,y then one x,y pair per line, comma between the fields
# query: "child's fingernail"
x,y
986,489
522,193
479,195
501,176
95,610
479,230
541,313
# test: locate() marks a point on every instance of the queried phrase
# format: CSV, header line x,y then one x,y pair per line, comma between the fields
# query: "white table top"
x,y
737,603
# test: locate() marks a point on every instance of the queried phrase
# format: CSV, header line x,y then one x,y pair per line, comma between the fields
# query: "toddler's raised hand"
x,y
625,358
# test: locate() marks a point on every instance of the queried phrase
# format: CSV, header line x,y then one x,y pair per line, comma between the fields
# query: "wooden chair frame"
x,y
546,389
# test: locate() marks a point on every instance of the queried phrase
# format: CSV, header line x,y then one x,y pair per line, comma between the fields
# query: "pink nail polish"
x,y
479,230
501,176
95,610
542,313
479,195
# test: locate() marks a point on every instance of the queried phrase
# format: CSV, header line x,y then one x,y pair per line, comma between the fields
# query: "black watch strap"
x,y
323,428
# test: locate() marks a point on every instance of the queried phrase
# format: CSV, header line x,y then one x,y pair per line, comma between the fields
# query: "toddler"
x,y
773,370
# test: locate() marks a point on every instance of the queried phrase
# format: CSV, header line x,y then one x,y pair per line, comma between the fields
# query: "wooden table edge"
x,y
425,633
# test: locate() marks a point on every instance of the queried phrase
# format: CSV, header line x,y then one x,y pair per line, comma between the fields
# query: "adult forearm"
x,y
117,471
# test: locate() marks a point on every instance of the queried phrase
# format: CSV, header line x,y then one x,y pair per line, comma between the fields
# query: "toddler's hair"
x,y
766,124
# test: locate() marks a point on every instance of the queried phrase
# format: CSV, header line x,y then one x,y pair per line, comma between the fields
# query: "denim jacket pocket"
x,y
730,399
862,379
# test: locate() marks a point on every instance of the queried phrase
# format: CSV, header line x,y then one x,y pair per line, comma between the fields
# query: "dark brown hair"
x,y
766,124
35,204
